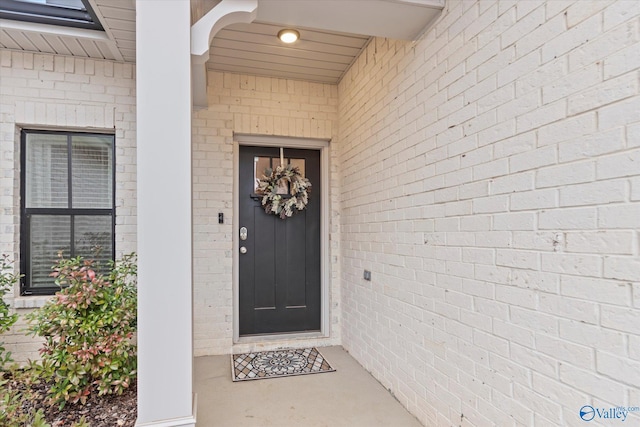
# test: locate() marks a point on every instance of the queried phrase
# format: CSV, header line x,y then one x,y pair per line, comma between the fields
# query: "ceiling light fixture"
x,y
288,35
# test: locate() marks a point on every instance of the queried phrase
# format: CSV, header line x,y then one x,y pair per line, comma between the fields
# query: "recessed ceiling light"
x,y
288,35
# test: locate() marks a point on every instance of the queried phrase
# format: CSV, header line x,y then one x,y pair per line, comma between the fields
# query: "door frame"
x,y
321,145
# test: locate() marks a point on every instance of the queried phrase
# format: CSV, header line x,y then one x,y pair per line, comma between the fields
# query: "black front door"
x,y
280,269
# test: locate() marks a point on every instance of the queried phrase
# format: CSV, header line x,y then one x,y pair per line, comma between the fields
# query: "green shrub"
x,y
87,329
7,280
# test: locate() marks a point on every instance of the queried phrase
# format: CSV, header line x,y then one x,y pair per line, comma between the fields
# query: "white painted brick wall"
x,y
249,105
41,91
490,181
66,93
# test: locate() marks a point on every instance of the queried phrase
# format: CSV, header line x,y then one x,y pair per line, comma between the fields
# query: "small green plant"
x,y
7,281
87,329
16,396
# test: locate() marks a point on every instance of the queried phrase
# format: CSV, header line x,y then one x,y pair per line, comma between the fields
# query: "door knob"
x,y
243,250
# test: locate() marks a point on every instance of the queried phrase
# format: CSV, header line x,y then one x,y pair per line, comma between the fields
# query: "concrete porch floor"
x,y
348,397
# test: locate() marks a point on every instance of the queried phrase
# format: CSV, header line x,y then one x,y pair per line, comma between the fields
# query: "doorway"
x,y
279,260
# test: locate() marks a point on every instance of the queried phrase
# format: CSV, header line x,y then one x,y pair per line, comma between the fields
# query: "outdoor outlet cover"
x,y
367,275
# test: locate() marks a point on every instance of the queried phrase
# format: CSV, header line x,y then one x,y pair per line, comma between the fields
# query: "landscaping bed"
x,y
98,411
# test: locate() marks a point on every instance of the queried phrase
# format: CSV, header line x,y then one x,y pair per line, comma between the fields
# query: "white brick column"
x,y
165,337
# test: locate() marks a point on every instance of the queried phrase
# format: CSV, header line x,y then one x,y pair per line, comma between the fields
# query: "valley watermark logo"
x,y
588,412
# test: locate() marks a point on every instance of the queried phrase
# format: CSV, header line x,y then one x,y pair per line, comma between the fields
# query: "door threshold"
x,y
279,337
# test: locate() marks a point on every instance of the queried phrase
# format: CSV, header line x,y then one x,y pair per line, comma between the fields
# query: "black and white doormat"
x,y
279,363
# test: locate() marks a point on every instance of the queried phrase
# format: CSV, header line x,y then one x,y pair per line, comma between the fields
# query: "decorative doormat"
x,y
279,363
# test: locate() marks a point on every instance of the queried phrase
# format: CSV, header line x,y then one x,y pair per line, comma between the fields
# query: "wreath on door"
x,y
284,191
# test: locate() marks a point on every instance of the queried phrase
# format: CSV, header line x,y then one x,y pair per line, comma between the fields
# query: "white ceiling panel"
x,y
277,59
310,40
123,11
119,20
128,54
283,51
39,42
123,34
56,43
255,49
127,44
6,41
119,24
311,35
284,74
91,49
74,46
21,40
275,69
105,50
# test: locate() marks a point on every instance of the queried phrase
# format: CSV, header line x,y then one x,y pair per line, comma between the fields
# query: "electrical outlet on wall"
x,y
367,275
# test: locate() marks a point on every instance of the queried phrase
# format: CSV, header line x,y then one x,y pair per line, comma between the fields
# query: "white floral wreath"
x,y
273,201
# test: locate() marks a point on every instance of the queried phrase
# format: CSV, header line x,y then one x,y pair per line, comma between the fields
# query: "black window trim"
x,y
52,15
25,213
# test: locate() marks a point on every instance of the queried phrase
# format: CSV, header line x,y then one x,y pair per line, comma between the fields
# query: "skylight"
x,y
68,13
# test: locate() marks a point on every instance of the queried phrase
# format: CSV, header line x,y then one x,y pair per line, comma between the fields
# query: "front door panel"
x,y
280,262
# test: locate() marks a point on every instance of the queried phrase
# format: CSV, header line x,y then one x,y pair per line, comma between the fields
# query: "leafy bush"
x,y
7,280
88,328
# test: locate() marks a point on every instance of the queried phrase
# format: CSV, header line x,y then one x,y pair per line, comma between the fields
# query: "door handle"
x,y
243,233
243,250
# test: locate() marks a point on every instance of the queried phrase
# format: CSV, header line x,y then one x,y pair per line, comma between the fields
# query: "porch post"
x,y
165,337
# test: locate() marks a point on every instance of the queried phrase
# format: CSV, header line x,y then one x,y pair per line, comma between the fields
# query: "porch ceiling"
x,y
333,33
255,49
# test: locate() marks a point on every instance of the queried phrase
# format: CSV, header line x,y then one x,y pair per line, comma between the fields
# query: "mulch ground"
x,y
98,411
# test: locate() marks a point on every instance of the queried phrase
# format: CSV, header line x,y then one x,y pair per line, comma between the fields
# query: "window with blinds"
x,y
67,203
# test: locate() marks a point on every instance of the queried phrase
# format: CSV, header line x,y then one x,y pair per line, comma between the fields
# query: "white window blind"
x,y
92,171
47,167
50,235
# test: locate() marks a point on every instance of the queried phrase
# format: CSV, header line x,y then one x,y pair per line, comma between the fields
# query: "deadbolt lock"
x,y
243,233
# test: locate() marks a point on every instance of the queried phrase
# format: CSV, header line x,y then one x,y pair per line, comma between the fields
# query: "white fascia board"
x,y
395,19
56,30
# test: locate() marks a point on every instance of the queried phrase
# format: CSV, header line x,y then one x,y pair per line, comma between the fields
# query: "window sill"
x,y
30,302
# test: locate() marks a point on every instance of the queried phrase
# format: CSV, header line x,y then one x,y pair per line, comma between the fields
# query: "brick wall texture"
x,y
62,93
491,182
260,106
487,174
